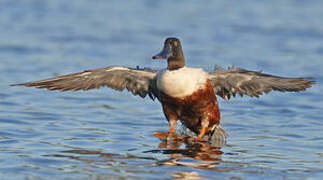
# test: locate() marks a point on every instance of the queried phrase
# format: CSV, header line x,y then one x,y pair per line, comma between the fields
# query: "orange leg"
x,y
202,132
170,116
164,135
204,125
172,126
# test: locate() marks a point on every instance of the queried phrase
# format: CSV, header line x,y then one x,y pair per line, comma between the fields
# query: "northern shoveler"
x,y
186,94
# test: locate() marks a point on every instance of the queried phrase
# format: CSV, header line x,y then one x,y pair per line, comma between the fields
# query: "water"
x,y
104,134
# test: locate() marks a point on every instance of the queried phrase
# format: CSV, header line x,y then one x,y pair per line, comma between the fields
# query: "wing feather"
x,y
227,83
138,81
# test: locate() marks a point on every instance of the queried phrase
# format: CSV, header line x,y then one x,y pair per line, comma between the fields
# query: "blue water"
x,y
104,134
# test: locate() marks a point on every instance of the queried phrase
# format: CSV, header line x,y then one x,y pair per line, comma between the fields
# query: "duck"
x,y
185,93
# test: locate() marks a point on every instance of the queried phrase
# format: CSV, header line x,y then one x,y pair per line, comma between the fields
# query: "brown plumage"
x,y
191,110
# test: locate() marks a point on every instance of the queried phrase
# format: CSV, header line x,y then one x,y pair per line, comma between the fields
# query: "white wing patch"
x,y
182,82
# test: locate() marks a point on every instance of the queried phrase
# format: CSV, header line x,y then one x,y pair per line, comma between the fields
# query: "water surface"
x,y
107,134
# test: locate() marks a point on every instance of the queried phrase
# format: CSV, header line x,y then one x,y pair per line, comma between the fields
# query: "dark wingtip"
x,y
21,84
310,80
15,84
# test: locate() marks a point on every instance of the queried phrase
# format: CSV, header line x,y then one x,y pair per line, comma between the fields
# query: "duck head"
x,y
173,52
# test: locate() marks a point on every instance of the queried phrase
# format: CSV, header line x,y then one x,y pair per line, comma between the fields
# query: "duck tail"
x,y
217,136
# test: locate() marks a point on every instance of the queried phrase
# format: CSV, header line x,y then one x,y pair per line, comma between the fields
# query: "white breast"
x,y
182,82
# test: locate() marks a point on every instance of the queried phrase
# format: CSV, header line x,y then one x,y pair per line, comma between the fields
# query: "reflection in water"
x,y
183,150
171,144
207,154
77,152
111,157
185,175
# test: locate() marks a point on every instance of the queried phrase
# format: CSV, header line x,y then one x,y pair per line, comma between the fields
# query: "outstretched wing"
x,y
138,81
234,81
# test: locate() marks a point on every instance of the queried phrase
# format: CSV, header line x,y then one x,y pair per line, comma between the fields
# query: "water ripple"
x,y
104,134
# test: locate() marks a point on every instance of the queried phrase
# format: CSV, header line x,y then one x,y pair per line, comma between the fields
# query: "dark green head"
x,y
173,52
